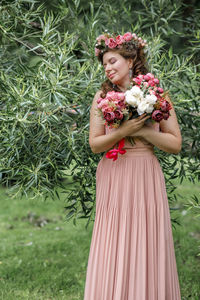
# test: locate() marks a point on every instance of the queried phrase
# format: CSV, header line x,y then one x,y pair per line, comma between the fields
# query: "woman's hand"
x,y
142,131
131,127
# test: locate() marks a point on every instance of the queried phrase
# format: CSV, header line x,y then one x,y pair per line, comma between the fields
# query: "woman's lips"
x,y
111,75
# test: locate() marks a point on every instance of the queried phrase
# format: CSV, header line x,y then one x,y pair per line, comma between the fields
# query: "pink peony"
x,y
99,100
109,116
141,77
127,36
105,108
119,96
151,76
145,84
118,115
165,106
160,90
151,83
165,115
157,115
110,95
151,92
99,105
121,103
156,81
147,77
137,80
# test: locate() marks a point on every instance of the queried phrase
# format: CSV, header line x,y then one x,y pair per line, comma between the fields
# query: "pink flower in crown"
x,y
127,36
97,52
100,38
134,35
120,40
111,43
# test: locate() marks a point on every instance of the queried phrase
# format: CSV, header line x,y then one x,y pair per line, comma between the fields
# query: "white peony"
x,y
136,91
151,99
130,99
144,107
149,108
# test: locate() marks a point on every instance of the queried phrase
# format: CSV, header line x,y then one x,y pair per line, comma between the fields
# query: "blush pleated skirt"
x,y
132,252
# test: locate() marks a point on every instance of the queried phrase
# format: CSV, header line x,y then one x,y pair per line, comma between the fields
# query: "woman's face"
x,y
116,67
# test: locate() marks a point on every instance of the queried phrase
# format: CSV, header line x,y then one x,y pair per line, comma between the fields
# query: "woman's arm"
x,y
169,139
99,142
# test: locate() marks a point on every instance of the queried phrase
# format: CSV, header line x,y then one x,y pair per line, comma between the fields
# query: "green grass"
x,y
50,262
46,262
187,242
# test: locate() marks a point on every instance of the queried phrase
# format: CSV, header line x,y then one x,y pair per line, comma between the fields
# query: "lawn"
x,y
42,256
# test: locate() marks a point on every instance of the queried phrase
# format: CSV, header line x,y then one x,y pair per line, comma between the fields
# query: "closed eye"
x,y
112,60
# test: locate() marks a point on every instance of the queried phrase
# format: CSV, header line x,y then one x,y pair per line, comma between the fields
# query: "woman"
x,y
132,252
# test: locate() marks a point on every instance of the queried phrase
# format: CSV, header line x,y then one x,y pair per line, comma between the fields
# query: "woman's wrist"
x,y
120,133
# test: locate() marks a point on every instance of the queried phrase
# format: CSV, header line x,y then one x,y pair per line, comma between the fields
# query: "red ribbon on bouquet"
x,y
113,153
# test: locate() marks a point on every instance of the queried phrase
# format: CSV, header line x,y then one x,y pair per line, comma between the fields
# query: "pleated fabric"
x,y
132,252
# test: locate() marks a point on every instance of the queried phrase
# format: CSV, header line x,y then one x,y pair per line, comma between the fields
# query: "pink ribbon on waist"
x,y
113,153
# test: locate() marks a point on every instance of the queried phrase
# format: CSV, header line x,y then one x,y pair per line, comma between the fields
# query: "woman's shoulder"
x,y
98,94
96,97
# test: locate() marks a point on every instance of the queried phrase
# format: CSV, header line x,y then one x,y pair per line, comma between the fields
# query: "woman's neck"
x,y
123,87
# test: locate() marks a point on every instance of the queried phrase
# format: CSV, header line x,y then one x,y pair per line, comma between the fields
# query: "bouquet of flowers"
x,y
144,96
113,108
147,97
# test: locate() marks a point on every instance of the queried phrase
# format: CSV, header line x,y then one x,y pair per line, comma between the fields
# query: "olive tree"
x,y
49,75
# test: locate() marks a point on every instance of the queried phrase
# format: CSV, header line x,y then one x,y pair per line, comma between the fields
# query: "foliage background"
x,y
49,75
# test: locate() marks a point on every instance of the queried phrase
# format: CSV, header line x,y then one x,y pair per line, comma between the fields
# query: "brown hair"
x,y
128,50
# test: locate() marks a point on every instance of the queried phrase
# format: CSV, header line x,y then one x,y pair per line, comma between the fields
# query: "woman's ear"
x,y
130,63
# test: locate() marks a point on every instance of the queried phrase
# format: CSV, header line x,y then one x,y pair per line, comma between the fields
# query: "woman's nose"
x,y
107,68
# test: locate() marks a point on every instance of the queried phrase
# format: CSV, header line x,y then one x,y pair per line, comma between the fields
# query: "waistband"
x,y
135,152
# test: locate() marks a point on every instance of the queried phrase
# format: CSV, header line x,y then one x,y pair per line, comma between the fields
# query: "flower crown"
x,y
107,40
